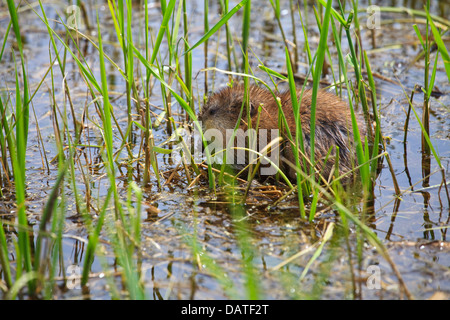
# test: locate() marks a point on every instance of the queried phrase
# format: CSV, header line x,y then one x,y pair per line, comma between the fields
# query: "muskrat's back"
x,y
333,123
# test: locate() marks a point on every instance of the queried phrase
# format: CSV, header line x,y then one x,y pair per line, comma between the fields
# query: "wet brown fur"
x,y
333,122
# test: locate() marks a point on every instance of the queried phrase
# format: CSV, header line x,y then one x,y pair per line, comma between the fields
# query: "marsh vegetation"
x,y
101,197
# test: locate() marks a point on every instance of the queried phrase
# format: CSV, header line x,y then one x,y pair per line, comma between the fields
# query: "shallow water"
x,y
413,228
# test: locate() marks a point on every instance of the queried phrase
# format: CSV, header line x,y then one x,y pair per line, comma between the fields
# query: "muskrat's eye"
x,y
212,111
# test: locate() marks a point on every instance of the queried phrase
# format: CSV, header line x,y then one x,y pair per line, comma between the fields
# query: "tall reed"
x,y
37,263
17,151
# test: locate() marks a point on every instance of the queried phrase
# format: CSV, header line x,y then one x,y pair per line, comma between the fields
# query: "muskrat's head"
x,y
223,107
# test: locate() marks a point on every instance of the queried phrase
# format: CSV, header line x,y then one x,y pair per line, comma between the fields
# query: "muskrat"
x,y
333,124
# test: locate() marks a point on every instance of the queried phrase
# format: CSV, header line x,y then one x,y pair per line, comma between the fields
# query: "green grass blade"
x,y
47,213
4,261
167,14
5,39
22,111
93,240
216,27
364,170
18,157
84,70
326,237
298,132
246,32
335,14
317,74
378,137
106,105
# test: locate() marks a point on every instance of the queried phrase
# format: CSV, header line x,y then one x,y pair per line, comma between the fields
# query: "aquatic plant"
x,y
129,153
